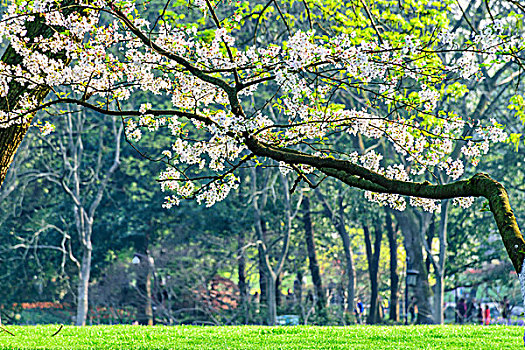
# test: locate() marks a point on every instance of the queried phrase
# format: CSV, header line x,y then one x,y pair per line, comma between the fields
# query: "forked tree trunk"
x,y
271,273
338,221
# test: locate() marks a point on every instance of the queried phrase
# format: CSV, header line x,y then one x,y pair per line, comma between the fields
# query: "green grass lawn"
x,y
253,337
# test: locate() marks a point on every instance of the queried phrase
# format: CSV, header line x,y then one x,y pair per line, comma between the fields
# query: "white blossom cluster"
x,y
464,202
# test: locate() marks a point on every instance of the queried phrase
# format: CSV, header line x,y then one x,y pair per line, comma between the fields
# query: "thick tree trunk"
x,y
372,255
411,229
312,255
272,302
11,137
394,276
83,286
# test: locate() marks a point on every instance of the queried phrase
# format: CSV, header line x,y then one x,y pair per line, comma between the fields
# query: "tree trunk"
x,y
312,256
430,237
263,276
350,271
11,137
271,302
339,223
278,295
373,268
394,276
241,273
271,273
411,228
439,289
83,286
298,290
149,296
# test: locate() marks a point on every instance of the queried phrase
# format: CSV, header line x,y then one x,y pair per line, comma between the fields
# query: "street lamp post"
x,y
410,281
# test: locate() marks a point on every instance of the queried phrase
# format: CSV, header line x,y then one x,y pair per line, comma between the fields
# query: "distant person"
x,y
486,315
380,310
461,310
358,311
331,291
290,297
341,295
412,309
470,310
505,310
479,314
385,305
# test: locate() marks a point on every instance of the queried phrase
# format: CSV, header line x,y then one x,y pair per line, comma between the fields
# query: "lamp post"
x,y
410,281
412,278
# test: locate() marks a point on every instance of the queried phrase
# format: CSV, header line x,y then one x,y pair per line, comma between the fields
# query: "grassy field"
x,y
252,337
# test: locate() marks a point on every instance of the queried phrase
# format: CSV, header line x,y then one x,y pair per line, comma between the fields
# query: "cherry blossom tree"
x,y
295,97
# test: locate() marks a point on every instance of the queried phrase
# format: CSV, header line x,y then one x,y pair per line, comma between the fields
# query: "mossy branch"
x,y
480,185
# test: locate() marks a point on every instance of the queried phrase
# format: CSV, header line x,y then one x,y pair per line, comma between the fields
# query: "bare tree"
x,y
86,193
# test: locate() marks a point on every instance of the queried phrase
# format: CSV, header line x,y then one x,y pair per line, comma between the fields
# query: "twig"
x,y
5,330
58,331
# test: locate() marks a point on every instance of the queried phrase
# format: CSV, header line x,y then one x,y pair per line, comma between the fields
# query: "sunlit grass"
x,y
260,337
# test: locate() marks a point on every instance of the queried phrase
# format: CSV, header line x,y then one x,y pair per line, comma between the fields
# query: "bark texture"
x,y
12,136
